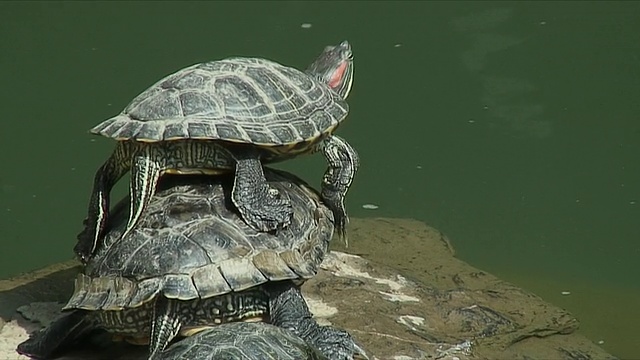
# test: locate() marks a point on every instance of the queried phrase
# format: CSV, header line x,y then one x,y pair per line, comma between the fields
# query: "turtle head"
x,y
334,67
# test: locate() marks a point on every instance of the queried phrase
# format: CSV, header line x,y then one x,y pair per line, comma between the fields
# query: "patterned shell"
x,y
243,100
243,341
191,243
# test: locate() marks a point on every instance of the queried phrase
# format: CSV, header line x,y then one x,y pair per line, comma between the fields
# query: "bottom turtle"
x,y
243,341
291,334
192,263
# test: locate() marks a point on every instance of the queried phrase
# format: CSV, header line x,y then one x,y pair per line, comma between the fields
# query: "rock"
x,y
453,312
397,318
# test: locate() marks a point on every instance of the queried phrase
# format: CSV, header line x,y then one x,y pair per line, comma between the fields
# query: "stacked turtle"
x,y
190,251
243,112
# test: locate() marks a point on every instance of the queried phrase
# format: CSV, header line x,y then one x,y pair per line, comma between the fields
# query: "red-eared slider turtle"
x,y
243,341
192,262
236,113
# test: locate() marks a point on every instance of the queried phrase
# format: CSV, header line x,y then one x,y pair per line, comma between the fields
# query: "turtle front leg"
x,y
146,168
289,310
165,326
94,225
343,164
261,206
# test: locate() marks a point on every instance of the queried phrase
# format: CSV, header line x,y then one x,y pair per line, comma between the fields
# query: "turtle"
x,y
192,262
243,341
230,115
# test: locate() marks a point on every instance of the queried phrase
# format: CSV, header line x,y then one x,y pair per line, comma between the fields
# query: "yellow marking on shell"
x,y
284,147
201,171
254,319
118,338
147,141
192,330
133,340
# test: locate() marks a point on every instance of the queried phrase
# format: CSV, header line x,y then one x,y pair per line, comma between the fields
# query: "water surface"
x,y
511,126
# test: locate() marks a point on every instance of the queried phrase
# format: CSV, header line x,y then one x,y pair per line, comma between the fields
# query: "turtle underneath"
x,y
243,341
191,262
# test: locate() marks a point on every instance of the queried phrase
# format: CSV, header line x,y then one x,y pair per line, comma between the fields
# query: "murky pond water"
x,y
511,126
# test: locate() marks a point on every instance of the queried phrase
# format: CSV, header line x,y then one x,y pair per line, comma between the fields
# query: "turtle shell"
x,y
243,341
191,243
242,100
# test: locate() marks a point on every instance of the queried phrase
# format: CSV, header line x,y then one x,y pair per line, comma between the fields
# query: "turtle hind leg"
x,y
146,169
289,310
57,336
343,164
94,225
261,206
165,326
89,237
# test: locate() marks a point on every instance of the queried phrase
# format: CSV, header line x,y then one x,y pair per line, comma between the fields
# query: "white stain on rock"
x,y
321,310
411,321
399,297
11,334
452,352
345,265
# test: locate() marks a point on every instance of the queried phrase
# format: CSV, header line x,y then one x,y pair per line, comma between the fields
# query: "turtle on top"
x,y
231,115
193,263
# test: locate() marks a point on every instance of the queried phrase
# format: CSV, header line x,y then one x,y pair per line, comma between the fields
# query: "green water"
x,y
513,127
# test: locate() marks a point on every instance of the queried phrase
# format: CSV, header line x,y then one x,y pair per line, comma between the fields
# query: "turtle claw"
x,y
83,248
338,344
343,164
359,352
336,204
269,211
262,207
341,230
